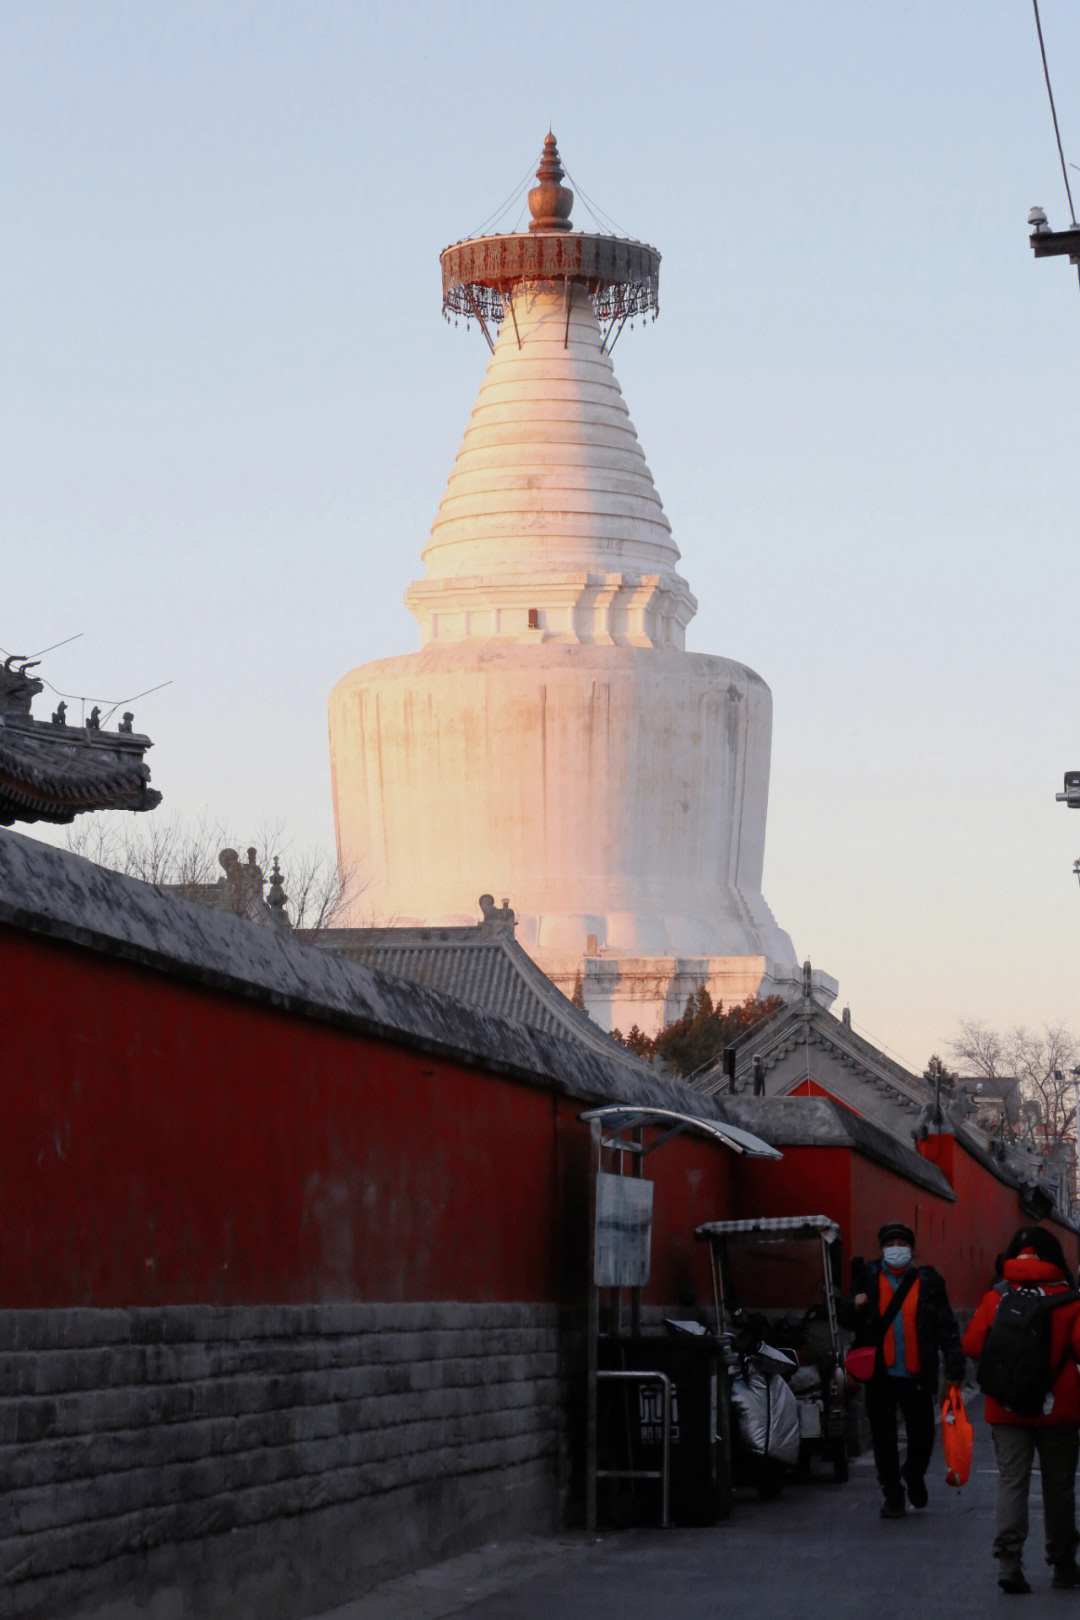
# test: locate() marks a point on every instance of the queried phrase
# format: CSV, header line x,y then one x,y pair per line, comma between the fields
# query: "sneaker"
x,y
916,1489
1013,1580
1066,1576
894,1507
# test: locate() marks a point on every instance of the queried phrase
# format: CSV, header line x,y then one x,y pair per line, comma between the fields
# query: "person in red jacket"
x,y
1034,1259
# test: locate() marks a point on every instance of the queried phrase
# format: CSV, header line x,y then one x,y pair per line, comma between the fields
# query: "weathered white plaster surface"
x,y
552,742
550,505
612,791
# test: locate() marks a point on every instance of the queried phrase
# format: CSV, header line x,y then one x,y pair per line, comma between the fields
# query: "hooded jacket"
x,y
1028,1271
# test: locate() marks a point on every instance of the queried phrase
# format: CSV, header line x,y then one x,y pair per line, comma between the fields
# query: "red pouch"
x,y
859,1363
957,1438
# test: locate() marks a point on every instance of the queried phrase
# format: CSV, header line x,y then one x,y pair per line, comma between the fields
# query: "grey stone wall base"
x,y
189,1463
312,1562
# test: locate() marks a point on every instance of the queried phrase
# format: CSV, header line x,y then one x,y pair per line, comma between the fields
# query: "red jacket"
x,y
1064,1341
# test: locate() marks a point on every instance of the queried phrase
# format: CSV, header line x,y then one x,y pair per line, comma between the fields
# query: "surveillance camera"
x,y
1037,219
1071,795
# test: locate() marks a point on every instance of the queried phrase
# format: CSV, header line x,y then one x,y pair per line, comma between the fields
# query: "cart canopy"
x,y
775,1229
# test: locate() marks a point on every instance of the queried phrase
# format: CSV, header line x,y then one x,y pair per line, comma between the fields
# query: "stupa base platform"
x,y
652,991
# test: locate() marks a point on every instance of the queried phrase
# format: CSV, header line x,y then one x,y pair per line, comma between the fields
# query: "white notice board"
x,y
624,1207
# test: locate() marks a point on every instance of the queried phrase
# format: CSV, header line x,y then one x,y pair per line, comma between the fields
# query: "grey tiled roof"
x,y
819,1122
805,1020
483,966
50,771
55,772
52,893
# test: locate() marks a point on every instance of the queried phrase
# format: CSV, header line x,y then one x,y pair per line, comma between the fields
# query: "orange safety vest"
x,y
907,1317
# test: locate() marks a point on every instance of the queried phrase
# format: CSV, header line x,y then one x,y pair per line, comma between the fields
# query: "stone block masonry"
x,y
197,1461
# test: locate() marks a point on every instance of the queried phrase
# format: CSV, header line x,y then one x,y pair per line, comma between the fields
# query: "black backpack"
x,y
1015,1367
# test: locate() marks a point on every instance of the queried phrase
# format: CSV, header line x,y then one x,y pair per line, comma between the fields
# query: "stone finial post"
x,y
276,898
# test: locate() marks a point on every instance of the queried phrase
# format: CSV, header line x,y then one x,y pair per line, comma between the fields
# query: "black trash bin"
x,y
630,1430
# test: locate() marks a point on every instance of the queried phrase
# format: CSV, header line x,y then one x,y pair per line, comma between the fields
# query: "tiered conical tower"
x,y
553,742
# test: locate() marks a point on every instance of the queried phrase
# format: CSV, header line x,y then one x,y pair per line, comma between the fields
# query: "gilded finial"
x,y
549,202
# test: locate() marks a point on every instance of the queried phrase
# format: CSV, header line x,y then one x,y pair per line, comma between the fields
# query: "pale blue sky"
x,y
229,406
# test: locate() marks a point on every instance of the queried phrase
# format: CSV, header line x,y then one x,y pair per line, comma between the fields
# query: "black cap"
x,y
896,1232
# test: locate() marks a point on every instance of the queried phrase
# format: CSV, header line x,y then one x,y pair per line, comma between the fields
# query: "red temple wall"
x,y
806,1181
168,1143
696,1186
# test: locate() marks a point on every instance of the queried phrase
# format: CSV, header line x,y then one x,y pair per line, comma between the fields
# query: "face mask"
x,y
897,1256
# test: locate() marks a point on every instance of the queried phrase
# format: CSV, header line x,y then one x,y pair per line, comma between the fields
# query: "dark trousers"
x,y
1016,1445
888,1399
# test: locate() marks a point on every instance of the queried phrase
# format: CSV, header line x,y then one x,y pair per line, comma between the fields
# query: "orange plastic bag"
x,y
957,1438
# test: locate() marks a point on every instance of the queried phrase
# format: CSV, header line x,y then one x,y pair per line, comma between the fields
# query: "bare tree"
x,y
1040,1064
980,1050
157,850
1044,1063
172,855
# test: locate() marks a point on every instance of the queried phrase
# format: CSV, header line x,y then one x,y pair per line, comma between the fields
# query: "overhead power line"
x,y
1053,112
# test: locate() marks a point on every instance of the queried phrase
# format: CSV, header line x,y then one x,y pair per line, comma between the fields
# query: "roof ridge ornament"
x,y
495,919
549,202
276,897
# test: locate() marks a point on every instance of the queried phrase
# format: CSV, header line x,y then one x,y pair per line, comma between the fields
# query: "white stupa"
x,y
552,742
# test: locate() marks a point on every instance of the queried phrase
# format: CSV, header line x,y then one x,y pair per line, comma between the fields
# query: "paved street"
x,y
819,1550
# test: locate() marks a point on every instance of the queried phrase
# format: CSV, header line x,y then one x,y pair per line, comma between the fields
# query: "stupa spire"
x,y
549,202
551,526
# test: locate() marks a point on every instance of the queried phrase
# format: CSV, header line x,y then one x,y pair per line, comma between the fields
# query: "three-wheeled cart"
x,y
819,1383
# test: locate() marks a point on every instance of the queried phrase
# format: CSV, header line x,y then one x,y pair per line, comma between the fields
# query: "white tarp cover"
x,y
767,1414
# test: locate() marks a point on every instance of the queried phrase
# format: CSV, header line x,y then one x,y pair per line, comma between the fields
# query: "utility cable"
x,y
78,697
43,650
602,219
710,1063
594,209
503,206
872,1040
1053,113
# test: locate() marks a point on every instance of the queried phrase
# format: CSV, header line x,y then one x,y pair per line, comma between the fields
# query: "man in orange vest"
x,y
904,1310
